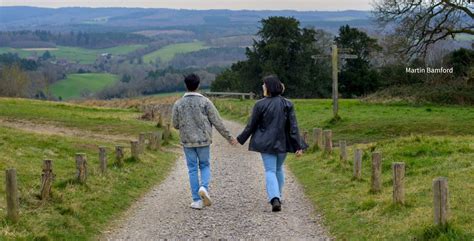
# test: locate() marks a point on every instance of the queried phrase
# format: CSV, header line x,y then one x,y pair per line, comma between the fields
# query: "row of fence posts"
x,y
322,140
151,140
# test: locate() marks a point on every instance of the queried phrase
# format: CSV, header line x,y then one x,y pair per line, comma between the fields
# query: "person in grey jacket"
x,y
194,115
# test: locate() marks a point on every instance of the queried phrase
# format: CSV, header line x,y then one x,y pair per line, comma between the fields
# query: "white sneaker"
x,y
197,204
205,196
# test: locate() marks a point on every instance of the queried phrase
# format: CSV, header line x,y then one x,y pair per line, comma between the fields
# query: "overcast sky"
x,y
201,4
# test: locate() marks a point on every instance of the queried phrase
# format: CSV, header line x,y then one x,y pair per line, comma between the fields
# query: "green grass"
x,y
366,122
353,213
98,120
75,211
177,93
76,54
432,141
168,52
75,84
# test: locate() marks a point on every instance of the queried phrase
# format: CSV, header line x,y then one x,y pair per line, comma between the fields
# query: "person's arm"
x,y
251,126
175,117
295,138
215,119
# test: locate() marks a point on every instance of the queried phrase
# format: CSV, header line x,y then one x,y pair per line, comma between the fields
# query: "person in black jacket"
x,y
274,132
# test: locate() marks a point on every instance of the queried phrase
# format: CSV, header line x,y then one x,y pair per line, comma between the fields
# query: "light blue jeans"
x,y
274,174
198,158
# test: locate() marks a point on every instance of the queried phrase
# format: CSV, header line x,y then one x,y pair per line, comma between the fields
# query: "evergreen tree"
x,y
357,77
283,49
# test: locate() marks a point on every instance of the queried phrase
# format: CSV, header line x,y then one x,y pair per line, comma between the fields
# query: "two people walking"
x,y
272,129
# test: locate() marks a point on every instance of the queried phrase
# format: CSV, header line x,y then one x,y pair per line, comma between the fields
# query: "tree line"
x,y
27,78
94,40
286,49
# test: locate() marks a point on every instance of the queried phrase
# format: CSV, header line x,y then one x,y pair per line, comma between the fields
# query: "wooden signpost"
x,y
336,54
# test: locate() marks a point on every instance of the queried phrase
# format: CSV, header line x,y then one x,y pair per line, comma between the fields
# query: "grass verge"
x,y
353,213
75,211
94,119
432,141
367,122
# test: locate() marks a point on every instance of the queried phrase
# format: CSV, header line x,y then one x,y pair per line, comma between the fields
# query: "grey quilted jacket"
x,y
194,115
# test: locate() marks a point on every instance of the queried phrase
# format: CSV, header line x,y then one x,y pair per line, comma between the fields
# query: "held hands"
x,y
299,153
233,141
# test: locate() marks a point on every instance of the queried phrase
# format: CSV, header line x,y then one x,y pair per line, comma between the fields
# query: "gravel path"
x,y
239,209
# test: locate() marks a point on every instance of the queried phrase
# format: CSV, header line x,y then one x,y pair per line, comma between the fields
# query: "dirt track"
x,y
239,209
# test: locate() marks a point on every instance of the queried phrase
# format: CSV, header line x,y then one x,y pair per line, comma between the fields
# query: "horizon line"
x,y
190,9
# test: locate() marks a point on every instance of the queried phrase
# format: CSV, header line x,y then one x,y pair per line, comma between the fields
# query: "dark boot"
x,y
276,204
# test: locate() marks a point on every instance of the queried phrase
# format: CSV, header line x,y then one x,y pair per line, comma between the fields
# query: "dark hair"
x,y
273,85
192,82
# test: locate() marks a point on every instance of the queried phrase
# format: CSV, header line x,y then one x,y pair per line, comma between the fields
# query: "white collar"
x,y
192,93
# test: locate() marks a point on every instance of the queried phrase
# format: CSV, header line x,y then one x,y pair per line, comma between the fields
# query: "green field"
x,y
432,141
75,211
107,121
168,52
75,84
364,122
75,54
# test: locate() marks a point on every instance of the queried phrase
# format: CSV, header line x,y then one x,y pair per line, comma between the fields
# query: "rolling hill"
x,y
76,85
73,54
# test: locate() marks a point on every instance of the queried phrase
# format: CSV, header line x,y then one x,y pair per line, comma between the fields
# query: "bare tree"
x,y
420,23
13,82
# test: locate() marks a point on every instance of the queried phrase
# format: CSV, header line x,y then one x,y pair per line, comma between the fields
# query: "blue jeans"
x,y
198,157
274,174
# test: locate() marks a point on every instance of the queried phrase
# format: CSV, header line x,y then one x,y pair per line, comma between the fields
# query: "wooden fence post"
x,y
160,121
343,150
328,140
152,141
335,92
135,146
398,182
318,137
167,132
376,172
141,142
305,136
46,179
149,137
13,201
81,167
159,138
102,159
440,201
119,155
358,164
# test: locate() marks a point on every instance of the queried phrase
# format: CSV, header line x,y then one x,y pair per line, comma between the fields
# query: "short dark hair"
x,y
273,85
192,82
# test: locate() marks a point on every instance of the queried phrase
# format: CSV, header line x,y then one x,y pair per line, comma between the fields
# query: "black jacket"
x,y
273,127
